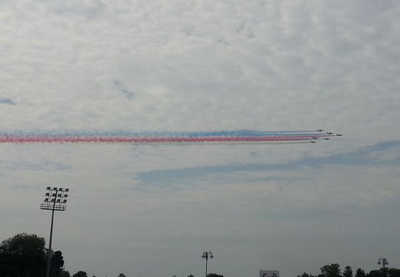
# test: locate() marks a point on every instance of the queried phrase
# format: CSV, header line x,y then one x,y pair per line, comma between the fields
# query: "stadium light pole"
x,y
206,255
383,261
56,200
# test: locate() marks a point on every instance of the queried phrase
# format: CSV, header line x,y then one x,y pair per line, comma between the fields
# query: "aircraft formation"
x,y
197,137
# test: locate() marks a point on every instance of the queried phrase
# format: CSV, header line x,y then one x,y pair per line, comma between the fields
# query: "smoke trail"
x,y
203,137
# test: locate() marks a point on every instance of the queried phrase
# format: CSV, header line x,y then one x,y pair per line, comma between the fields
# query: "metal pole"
x,y
206,264
206,255
51,238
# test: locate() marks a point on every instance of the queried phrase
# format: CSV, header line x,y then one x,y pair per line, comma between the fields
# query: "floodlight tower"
x,y
383,261
56,200
206,255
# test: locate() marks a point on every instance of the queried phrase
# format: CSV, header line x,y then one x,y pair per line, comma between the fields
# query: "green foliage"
x,y
80,274
393,272
305,275
332,270
376,273
360,273
57,262
384,272
22,255
64,273
348,272
24,244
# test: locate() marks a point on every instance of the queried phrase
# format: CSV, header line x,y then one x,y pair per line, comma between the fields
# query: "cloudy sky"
x,y
194,65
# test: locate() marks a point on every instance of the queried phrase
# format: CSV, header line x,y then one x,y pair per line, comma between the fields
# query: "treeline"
x,y
333,270
25,256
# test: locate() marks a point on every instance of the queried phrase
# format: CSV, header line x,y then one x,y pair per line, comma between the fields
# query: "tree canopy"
x,y
24,244
333,270
348,272
22,255
80,274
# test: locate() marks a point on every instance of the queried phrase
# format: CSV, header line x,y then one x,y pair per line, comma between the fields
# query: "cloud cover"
x,y
205,65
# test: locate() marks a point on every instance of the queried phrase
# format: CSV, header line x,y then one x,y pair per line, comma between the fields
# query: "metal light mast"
x,y
206,255
56,200
383,261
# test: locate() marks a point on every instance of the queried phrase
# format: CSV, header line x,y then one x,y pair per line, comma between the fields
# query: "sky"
x,y
202,65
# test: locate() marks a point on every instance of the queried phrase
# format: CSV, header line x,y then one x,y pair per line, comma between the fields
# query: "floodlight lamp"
x,y
65,195
211,255
55,188
65,201
46,200
59,195
67,190
385,261
48,188
47,194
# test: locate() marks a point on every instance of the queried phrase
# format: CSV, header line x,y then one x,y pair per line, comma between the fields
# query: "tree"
x,y
57,262
64,273
24,244
376,273
332,270
360,273
22,255
393,272
348,272
80,274
121,275
305,275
